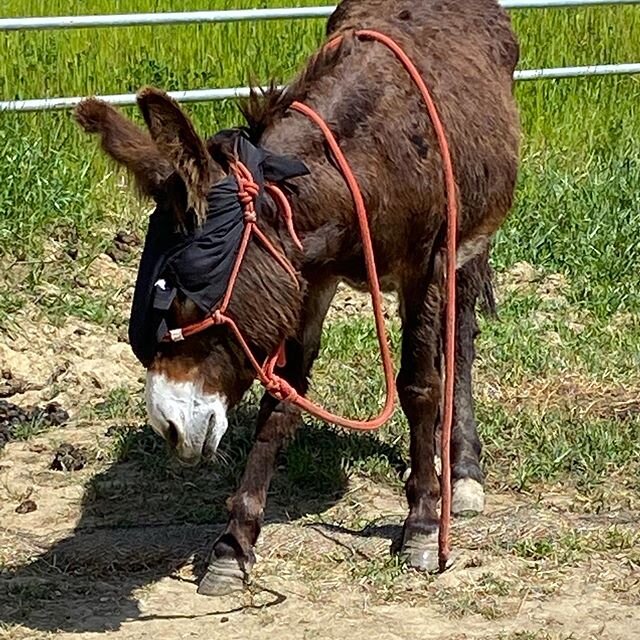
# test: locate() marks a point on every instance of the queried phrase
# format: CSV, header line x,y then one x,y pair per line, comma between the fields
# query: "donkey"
x,y
467,52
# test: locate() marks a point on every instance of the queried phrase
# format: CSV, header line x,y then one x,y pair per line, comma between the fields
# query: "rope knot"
x,y
248,191
217,316
250,216
279,388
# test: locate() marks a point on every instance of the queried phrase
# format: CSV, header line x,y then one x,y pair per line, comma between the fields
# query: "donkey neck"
x,y
322,204
321,197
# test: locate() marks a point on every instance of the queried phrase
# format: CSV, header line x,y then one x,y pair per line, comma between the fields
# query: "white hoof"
x,y
468,497
224,576
420,552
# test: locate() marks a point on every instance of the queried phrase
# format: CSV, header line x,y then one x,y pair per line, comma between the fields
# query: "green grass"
x,y
120,404
30,428
578,201
57,184
577,434
482,598
577,214
571,546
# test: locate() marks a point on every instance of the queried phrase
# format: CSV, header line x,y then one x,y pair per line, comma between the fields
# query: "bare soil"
x,y
103,553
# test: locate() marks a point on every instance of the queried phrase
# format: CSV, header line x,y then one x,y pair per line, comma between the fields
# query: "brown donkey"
x,y
467,52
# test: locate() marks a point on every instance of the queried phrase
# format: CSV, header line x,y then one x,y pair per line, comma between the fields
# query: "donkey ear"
x,y
176,137
126,144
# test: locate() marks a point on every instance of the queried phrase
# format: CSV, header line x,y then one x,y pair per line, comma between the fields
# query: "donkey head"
x,y
192,384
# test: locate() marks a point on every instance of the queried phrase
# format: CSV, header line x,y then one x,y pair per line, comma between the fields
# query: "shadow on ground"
x,y
145,518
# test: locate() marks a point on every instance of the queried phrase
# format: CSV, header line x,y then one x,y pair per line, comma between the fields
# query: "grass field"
x,y
558,375
577,206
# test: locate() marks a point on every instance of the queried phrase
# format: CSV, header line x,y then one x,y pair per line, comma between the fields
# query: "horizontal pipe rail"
x,y
578,72
177,17
123,99
240,15
207,95
234,15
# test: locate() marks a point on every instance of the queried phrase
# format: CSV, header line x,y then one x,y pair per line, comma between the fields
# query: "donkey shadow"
x,y
146,518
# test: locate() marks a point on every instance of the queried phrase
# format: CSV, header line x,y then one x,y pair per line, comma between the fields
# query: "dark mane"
x,y
264,107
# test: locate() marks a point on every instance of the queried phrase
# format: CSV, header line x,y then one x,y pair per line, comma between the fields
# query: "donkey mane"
x,y
265,107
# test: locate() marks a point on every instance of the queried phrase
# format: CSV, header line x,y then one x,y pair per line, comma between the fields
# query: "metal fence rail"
x,y
236,15
208,95
239,15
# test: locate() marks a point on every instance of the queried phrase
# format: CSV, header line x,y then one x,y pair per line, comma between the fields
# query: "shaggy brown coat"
x,y
466,52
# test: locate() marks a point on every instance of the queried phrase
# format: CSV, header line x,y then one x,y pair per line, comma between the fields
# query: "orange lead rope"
x,y
450,330
278,386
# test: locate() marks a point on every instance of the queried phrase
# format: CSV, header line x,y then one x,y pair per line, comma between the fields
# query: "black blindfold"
x,y
198,262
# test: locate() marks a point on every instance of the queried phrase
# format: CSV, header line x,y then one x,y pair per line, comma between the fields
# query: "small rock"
x,y
27,506
113,430
11,416
224,619
38,448
68,458
116,254
53,415
123,244
11,386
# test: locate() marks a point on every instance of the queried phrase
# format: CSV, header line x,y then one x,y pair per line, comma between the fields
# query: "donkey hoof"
x,y
468,498
420,551
224,576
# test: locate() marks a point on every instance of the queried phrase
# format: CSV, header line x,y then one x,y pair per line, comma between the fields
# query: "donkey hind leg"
x,y
473,280
233,557
419,390
468,478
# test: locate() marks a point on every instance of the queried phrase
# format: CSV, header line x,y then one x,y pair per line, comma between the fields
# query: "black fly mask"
x,y
198,261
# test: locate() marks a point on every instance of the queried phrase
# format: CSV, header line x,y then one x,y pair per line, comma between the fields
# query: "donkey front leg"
x,y
419,391
233,557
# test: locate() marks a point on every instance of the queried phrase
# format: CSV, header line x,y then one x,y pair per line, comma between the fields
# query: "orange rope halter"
x,y
278,386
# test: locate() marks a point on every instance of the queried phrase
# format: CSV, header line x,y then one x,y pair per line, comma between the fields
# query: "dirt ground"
x,y
101,555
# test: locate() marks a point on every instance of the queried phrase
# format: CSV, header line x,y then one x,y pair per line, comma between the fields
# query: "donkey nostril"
x,y
172,434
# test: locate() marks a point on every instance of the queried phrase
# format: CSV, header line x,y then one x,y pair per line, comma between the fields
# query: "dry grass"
x,y
570,393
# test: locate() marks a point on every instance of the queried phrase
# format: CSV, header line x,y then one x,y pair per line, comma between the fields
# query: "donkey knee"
x,y
416,399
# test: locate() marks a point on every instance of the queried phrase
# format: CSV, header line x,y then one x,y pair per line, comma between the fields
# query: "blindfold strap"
x,y
163,297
